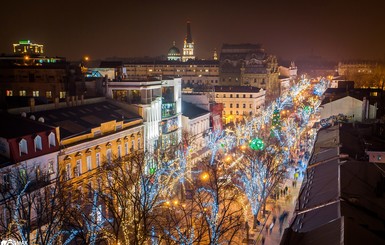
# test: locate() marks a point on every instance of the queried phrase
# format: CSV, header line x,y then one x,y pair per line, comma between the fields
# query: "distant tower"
x,y
215,56
188,46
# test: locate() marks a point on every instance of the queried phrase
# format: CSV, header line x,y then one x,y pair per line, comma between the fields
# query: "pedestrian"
x,y
271,227
263,240
267,228
274,219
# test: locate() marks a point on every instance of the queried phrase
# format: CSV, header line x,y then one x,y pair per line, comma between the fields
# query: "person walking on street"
x,y
263,240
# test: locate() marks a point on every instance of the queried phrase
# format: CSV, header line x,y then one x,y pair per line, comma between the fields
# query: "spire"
x,y
188,35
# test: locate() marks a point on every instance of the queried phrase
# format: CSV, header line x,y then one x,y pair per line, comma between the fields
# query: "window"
x,y
109,156
250,106
62,95
237,95
35,93
38,144
97,159
237,105
23,147
37,172
224,96
126,148
6,185
244,105
251,96
51,140
132,145
231,95
22,93
89,163
48,94
77,170
244,96
119,151
9,93
139,144
231,112
231,105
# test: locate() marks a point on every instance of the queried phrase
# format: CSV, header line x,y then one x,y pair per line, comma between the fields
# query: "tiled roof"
x,y
191,111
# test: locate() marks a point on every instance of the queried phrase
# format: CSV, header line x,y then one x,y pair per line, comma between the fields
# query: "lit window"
x,y
62,95
9,93
51,169
48,94
35,93
22,93
38,144
23,147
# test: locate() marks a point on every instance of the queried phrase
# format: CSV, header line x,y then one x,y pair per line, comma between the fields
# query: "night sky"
x,y
336,30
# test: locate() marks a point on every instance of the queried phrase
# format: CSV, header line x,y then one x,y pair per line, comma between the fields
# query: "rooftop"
x,y
239,89
14,126
81,119
191,111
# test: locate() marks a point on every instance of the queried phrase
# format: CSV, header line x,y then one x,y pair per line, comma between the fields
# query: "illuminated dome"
x,y
174,53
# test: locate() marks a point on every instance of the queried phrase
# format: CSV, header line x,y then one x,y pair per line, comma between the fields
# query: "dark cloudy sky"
x,y
338,29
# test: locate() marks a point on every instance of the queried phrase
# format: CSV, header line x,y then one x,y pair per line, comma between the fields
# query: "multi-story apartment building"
x,y
43,78
239,101
191,72
249,65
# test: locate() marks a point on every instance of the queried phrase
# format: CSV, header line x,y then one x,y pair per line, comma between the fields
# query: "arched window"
x,y
51,140
23,147
38,144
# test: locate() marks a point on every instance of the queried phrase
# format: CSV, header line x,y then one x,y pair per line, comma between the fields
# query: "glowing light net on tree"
x,y
257,144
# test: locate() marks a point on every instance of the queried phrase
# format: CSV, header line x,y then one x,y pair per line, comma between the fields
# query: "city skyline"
x,y
290,30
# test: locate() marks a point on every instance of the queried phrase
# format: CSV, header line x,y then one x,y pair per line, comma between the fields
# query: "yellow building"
x,y
92,134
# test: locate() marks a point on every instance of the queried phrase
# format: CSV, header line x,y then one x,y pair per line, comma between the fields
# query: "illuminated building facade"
x,y
239,102
188,45
158,102
191,72
249,65
25,47
102,132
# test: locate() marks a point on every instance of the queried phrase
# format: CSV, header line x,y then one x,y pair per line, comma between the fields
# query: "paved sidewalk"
x,y
284,203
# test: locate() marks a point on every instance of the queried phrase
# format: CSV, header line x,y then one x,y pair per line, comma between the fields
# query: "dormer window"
x,y
51,140
23,147
38,144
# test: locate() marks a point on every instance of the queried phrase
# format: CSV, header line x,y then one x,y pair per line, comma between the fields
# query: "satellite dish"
x,y
23,114
41,119
32,117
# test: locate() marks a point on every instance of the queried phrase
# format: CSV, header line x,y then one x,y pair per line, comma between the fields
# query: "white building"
x,y
158,102
195,121
239,101
352,108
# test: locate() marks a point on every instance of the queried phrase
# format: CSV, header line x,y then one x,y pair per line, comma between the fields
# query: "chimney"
x,y
32,104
